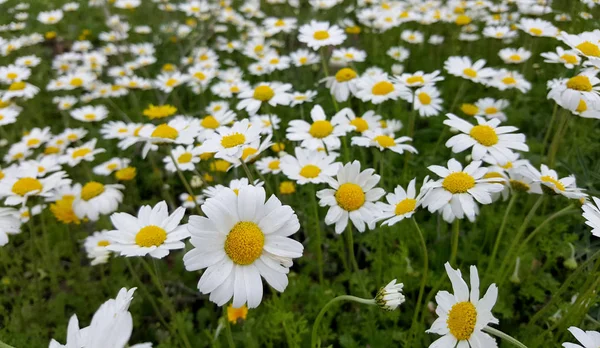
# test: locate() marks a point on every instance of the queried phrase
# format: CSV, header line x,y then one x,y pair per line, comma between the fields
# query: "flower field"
x,y
299,173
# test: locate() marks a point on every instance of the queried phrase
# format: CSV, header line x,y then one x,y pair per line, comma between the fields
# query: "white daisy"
x,y
463,67
401,204
318,34
96,198
382,142
9,224
587,339
309,166
379,88
95,247
321,133
343,84
273,93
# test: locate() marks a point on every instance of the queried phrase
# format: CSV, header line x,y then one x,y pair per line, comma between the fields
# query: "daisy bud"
x,y
3,142
514,278
397,69
571,263
390,297
196,181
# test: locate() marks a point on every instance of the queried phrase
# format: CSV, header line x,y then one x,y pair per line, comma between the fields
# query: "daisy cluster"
x,y
238,140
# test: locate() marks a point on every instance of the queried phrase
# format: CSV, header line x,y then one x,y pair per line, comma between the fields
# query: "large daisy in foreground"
x,y
241,239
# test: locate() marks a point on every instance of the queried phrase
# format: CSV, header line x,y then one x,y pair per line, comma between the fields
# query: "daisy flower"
x,y
95,247
401,204
463,67
269,165
153,232
8,116
368,121
569,58
398,53
241,239
90,113
459,188
462,316
427,101
186,157
266,123
379,88
382,142
96,199
390,297
514,56
19,90
344,56
504,79
537,27
321,133
499,32
579,92
302,97
591,213
486,137
108,167
166,82
188,201
352,196
14,73
419,78
319,34
586,43
309,166
9,224
342,84
218,118
177,131
587,339
229,142
303,57
492,108
235,185
550,182
50,17
85,152
25,183
273,93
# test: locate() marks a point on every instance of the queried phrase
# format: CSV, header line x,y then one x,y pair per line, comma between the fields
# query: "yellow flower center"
x,y
491,110
303,60
536,31
51,150
360,124
382,88
580,83
582,106
247,152
263,93
126,174
424,98
415,79
461,320
244,243
236,314
112,166
11,76
287,188
458,182
519,186
210,122
589,49
200,76
385,141
569,58
320,129
185,158
171,82
235,139
89,117
103,243
515,58
350,196
463,20
76,82
559,186
17,86
405,206
310,171
485,135
345,74
274,165
494,175
33,142
509,80
91,189
470,73
279,23
80,152
165,131
26,185
63,210
321,35
150,236
353,30
469,109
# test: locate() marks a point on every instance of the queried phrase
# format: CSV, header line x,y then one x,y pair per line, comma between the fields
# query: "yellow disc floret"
x,y
405,206
485,135
385,141
580,83
320,129
458,182
321,35
461,320
263,93
350,196
91,189
310,171
244,243
233,140
345,74
360,124
210,122
165,131
26,185
150,235
382,88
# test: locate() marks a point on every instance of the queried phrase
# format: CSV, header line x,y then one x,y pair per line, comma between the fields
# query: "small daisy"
x,y
9,224
379,88
591,213
218,118
537,27
273,93
550,182
368,121
90,113
352,196
166,82
569,58
241,239
463,67
188,201
321,133
383,142
186,157
153,232
309,166
25,183
458,189
235,185
304,57
578,92
177,131
8,116
486,137
85,152
586,43
320,34
462,316
413,37
342,84
420,79
19,90
401,204
504,79
95,247
229,142
110,166
96,199
269,165
398,53
427,101
302,97
492,108
514,56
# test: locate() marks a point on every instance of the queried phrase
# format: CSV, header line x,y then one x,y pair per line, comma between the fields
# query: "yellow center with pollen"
x,y
589,49
103,243
382,88
171,82
210,122
461,320
150,236
415,79
385,141
345,74
509,80
469,109
536,31
263,93
76,82
11,76
112,166
350,196
91,189
424,98
559,186
360,124
274,165
580,83
515,58
25,185
491,110
244,243
33,142
200,76
89,117
405,206
485,135
320,129
17,86
321,35
458,182
81,152
470,73
185,158
310,171
165,131
235,139
569,58
279,23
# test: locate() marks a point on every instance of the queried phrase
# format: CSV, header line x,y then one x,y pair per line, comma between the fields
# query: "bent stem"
x,y
455,235
318,234
350,241
185,183
247,171
504,336
313,340
511,203
425,273
4,345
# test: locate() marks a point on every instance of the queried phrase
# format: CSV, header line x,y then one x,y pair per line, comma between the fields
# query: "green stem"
x,y
504,336
247,171
455,235
350,241
185,183
562,126
550,126
4,345
313,341
425,272
318,234
511,203
230,341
